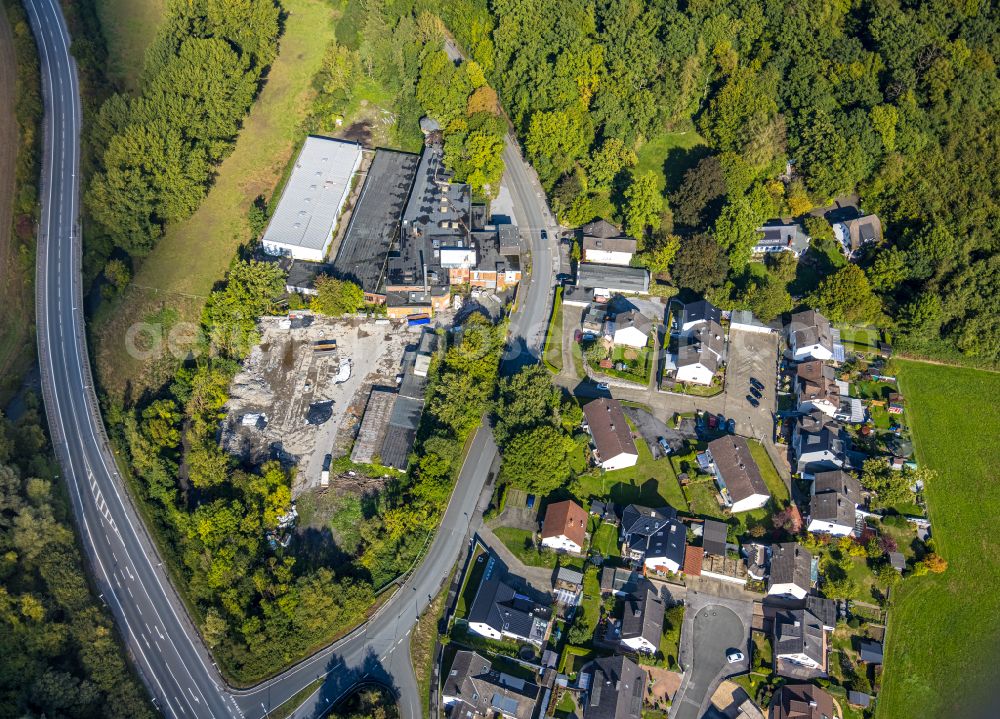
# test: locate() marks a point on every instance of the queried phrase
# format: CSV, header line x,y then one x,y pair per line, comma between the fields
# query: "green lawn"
x,y
671,154
943,628
775,484
650,483
670,642
552,355
604,539
470,585
521,544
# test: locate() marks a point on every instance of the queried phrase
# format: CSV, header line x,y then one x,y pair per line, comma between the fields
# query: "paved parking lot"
x,y
751,355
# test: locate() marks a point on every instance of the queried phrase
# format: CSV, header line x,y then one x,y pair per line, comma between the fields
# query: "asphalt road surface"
x,y
162,642
531,214
716,630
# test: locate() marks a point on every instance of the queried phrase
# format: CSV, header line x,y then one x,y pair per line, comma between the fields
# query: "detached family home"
x,y
614,447
500,612
810,336
613,688
854,234
630,329
604,244
791,571
835,499
802,701
642,620
819,443
737,474
781,237
799,640
642,529
473,689
565,527
700,352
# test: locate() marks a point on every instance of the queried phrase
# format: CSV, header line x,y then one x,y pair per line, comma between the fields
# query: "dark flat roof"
x,y
375,219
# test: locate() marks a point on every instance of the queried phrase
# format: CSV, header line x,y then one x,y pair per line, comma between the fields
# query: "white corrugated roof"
x,y
309,205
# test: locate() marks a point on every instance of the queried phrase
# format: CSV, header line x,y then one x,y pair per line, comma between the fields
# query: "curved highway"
x,y
163,644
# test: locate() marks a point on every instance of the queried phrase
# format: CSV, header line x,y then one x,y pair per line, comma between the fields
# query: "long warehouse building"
x,y
304,222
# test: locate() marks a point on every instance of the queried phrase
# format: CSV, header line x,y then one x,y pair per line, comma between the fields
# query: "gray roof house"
x,y
699,352
609,279
664,549
619,581
810,335
499,612
836,496
473,688
736,472
820,443
639,523
781,237
694,313
791,572
799,643
614,689
642,620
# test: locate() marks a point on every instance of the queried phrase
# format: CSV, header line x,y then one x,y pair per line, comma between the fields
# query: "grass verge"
x,y
552,355
942,628
424,639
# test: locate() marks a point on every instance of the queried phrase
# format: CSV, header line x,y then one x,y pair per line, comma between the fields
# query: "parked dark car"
x,y
756,383
753,401
756,392
530,501
731,426
544,234
713,421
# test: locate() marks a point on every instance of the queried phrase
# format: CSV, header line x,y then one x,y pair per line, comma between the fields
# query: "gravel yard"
x,y
305,412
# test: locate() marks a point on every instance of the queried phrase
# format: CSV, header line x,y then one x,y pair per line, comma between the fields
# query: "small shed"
x,y
859,699
871,651
897,560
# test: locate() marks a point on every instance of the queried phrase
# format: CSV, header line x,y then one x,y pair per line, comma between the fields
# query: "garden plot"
x,y
293,403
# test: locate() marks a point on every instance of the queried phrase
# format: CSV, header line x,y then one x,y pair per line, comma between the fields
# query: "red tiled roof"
x,y
565,518
692,560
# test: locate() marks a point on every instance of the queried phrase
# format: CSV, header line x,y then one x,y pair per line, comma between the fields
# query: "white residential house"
x,y
833,507
565,527
699,353
630,329
697,313
609,251
810,336
791,570
613,445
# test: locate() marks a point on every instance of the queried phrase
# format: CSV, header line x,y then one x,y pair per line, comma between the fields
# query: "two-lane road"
x,y
164,646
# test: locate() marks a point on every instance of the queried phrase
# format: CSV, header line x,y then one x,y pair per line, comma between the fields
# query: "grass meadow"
x,y
941,649
129,27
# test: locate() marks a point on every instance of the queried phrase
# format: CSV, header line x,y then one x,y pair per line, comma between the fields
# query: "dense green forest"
x,y
59,655
897,101
159,149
